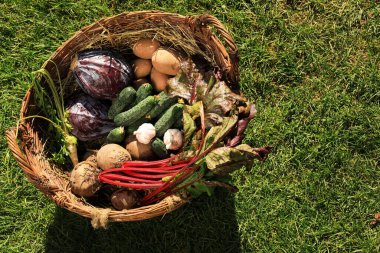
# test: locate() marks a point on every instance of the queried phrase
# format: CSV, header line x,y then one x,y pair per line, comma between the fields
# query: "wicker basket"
x,y
27,145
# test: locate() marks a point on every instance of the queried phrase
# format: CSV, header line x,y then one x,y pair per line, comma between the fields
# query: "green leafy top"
x,y
217,97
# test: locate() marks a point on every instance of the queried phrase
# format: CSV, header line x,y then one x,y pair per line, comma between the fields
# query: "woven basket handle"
x,y
229,57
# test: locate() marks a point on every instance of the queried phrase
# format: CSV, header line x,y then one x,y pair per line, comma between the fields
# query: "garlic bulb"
x,y
145,133
173,139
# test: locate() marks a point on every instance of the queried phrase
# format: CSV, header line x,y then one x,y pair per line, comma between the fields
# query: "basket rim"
x,y
29,158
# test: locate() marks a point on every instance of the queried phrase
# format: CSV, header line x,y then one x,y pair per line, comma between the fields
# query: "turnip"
x,y
84,179
112,156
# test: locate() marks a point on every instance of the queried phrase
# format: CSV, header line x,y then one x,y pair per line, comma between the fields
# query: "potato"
x,y
124,199
112,156
141,67
138,150
145,48
159,80
84,179
166,62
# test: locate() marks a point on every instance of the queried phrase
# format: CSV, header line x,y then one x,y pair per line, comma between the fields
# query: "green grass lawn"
x,y
313,69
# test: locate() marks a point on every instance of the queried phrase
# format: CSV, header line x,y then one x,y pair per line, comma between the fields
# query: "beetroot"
x,y
101,74
88,118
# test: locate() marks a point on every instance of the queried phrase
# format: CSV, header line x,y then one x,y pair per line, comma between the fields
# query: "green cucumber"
x,y
135,113
164,102
116,135
159,148
143,92
123,100
173,114
178,124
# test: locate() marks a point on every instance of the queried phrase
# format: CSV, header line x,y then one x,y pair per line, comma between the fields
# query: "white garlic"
x,y
145,133
173,139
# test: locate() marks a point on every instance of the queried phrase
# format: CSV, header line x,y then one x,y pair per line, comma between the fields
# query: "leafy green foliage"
x,y
216,96
224,160
217,133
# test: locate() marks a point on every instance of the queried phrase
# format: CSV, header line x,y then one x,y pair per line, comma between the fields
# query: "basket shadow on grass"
x,y
204,225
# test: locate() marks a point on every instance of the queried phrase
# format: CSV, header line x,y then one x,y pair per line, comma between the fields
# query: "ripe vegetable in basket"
x,y
141,68
144,48
84,179
159,148
164,102
145,133
88,118
143,92
112,156
159,79
138,150
116,135
135,113
122,102
166,61
173,139
173,114
101,74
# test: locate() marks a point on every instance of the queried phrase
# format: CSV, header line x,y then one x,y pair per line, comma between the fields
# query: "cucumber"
x,y
173,114
143,92
178,124
116,135
164,102
159,148
123,100
135,113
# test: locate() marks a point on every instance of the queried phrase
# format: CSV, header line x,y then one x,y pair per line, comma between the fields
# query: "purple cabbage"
x,y
102,74
88,118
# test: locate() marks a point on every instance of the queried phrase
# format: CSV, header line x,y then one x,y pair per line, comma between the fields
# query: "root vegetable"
x,y
166,61
145,48
124,199
159,79
138,150
112,156
84,179
141,67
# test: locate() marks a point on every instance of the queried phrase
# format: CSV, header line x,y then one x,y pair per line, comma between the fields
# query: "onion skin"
x,y
88,118
101,74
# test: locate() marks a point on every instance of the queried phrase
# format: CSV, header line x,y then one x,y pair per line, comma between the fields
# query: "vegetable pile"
x,y
152,123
